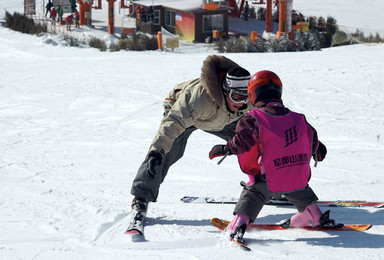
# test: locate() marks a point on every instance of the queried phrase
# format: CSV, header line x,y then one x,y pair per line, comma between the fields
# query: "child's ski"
x,y
221,226
345,227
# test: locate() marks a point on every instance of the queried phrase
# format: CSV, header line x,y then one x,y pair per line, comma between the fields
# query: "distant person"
x,y
144,15
150,14
321,24
246,11
48,7
60,13
53,14
73,5
139,14
69,21
77,19
294,16
274,147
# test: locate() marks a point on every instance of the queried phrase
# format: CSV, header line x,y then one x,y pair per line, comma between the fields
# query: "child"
x,y
53,15
274,147
69,21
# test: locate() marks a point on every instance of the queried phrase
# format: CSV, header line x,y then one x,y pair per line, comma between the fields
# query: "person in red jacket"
x,y
53,15
69,21
274,147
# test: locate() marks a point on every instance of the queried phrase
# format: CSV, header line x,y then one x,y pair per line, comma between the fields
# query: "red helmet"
x,y
264,84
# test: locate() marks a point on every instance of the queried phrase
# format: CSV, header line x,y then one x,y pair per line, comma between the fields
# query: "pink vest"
x,y
286,143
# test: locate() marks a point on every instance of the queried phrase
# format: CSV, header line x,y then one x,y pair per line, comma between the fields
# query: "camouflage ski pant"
x,y
143,188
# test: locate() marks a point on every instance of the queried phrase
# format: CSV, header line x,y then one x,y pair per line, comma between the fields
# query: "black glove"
x,y
320,153
154,158
218,150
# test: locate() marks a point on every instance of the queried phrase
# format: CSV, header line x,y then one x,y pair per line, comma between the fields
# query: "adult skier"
x,y
213,103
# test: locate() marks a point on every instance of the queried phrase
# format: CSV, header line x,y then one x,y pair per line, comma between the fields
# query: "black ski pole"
x,y
222,159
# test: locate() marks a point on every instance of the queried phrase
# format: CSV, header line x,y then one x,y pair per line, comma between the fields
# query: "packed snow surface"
x,y
76,123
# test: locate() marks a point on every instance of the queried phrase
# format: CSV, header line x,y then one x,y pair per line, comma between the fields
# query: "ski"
x,y
285,202
136,227
345,227
136,223
221,226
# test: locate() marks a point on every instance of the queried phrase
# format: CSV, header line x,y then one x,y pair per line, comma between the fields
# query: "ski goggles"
x,y
238,98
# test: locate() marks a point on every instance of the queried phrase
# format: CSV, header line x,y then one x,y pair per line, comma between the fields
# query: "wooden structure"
x,y
85,12
194,24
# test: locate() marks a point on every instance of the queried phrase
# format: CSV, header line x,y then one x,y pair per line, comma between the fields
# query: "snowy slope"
x,y
75,125
350,15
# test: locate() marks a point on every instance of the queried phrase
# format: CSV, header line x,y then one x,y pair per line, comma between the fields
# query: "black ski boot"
x,y
140,206
139,209
326,222
138,213
286,223
239,233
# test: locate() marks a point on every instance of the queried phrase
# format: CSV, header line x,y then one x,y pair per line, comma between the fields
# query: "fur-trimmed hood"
x,y
197,103
212,72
